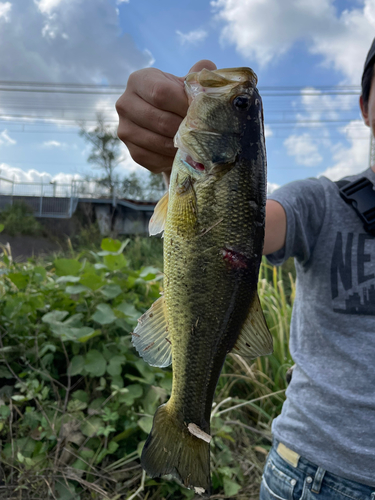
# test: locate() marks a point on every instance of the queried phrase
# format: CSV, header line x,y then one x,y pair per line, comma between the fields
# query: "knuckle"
x,y
119,105
159,94
164,125
123,131
167,145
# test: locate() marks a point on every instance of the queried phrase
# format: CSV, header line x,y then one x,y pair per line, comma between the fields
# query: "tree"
x,y
105,154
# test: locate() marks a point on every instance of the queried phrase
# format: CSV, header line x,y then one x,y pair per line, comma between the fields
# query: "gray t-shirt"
x,y
329,414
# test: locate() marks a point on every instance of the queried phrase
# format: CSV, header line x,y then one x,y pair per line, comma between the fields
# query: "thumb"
x,y
203,64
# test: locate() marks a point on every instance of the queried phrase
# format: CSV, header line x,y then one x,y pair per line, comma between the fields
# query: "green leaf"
x,y
19,279
75,289
115,365
81,396
88,336
95,364
145,423
92,280
110,245
104,314
4,411
114,262
76,366
54,317
117,382
134,391
68,279
111,291
230,487
5,373
1,227
41,271
149,273
128,310
74,321
66,490
91,426
112,447
74,334
67,267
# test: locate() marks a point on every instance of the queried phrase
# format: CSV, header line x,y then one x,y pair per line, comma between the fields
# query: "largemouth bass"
x,y
213,220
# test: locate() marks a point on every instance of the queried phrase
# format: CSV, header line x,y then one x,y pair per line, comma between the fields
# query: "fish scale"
x,y
213,222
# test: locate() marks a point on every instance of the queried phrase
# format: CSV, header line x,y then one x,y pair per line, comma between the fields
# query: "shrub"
x,y
18,219
76,401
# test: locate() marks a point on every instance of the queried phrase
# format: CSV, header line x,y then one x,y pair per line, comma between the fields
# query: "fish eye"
x,y
241,102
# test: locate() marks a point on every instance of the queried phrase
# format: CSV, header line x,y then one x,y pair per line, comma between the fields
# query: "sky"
x,y
308,55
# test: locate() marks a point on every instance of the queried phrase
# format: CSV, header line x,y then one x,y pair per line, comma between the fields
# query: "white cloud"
x,y
271,187
54,144
19,176
5,139
47,6
192,37
268,132
304,149
5,9
266,29
77,41
352,159
121,1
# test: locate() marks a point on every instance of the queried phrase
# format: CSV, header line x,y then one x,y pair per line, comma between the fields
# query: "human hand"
x,y
150,112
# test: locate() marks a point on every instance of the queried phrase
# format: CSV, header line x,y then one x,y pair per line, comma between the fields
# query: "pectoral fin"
x,y
157,221
255,339
150,337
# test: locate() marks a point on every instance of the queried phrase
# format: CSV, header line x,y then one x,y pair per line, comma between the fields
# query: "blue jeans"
x,y
307,481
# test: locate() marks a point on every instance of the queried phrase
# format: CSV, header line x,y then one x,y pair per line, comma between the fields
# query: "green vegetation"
x,y
18,219
76,401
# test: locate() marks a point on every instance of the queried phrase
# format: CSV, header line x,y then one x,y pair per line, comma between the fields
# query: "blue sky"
x,y
315,46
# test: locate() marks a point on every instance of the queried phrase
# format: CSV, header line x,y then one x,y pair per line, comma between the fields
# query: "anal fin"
x,y
150,337
255,339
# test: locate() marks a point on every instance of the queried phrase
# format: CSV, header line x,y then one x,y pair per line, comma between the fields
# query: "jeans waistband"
x,y
320,475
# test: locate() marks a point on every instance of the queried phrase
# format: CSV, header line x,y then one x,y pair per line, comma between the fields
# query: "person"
x,y
324,439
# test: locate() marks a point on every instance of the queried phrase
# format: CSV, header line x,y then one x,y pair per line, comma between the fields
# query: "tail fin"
x,y
172,449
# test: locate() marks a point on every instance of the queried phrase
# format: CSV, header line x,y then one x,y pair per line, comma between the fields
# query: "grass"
x,y
248,396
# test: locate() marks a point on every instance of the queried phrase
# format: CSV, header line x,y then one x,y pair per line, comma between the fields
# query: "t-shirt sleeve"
x,y
304,205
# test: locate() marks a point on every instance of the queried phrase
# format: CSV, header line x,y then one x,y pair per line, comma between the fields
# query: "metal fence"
x,y
44,200
53,199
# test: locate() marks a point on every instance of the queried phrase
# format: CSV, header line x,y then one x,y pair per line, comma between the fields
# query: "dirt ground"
x,y
23,247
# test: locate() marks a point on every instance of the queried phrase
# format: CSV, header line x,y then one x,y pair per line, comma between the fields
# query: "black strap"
x,y
360,195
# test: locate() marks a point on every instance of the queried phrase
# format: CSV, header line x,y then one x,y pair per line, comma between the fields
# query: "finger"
x,y
163,91
203,64
156,143
154,162
146,116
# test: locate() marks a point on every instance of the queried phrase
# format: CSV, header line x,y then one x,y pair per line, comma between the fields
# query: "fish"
x,y
213,221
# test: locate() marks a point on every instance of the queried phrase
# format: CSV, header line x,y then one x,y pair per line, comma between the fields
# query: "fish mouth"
x,y
218,82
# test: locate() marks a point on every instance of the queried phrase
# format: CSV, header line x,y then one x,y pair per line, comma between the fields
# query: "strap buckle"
x,y
361,195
